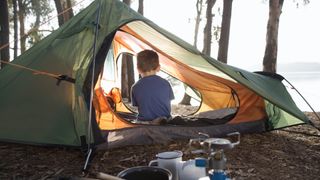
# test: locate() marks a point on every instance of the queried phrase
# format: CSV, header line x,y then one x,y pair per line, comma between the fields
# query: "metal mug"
x,y
169,160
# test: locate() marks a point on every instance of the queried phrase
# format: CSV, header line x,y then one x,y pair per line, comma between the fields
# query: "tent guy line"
x,y
59,77
305,102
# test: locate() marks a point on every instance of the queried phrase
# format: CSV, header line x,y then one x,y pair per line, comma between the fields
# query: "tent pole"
x,y
89,150
307,104
87,159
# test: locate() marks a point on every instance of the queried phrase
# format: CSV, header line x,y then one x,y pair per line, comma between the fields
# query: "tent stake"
x,y
87,160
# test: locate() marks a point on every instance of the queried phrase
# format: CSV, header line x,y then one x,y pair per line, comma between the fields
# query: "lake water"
x,y
308,84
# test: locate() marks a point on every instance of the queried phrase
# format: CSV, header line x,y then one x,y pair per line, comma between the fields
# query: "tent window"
x,y
177,85
127,74
109,67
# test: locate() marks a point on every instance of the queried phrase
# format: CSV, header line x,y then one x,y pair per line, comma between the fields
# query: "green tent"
x,y
51,106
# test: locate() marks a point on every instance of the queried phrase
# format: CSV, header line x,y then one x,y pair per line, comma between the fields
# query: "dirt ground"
x,y
291,153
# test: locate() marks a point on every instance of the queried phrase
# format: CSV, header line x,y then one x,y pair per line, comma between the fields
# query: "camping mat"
x,y
160,134
207,118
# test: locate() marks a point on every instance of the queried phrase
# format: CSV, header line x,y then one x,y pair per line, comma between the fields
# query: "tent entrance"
x,y
112,91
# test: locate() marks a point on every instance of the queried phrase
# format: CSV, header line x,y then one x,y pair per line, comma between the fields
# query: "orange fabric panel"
x,y
122,108
216,100
126,43
110,121
106,118
252,106
115,94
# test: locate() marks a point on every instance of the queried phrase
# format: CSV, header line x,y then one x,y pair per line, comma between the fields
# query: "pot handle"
x,y
153,162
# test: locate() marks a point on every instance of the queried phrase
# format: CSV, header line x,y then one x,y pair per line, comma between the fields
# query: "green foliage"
x,y
36,12
40,8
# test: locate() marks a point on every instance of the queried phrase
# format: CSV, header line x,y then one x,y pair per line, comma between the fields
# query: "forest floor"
x,y
291,153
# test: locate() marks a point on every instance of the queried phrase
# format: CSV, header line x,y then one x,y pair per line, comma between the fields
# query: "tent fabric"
x,y
35,109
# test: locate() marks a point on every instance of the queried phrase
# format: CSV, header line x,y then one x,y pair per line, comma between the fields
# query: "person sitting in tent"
x,y
151,94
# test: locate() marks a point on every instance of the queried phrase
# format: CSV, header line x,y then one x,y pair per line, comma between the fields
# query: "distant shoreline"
x,y
290,67
300,72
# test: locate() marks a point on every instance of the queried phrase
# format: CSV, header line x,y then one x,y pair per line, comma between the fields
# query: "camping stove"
x,y
216,159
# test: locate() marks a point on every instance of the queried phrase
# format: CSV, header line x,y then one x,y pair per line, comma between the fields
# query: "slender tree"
x,y
59,12
40,9
68,5
37,11
271,50
4,32
28,7
64,10
207,29
15,28
22,14
140,8
127,2
225,31
199,4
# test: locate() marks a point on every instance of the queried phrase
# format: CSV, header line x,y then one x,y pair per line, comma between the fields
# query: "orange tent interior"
x,y
216,92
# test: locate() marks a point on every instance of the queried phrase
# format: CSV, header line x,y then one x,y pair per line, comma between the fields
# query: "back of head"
x,y
147,60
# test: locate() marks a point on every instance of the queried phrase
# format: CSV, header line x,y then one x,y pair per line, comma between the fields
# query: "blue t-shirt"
x,y
152,95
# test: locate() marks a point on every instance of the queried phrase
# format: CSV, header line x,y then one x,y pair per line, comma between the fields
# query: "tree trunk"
x,y
186,98
225,31
37,8
35,29
67,10
4,32
127,2
64,10
70,10
140,8
207,29
59,12
15,29
271,50
23,37
127,76
124,78
197,24
130,71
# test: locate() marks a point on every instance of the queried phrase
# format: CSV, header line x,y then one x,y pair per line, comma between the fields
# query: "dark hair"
x,y
147,60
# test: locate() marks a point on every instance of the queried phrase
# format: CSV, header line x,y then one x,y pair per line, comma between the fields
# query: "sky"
x,y
298,30
298,36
